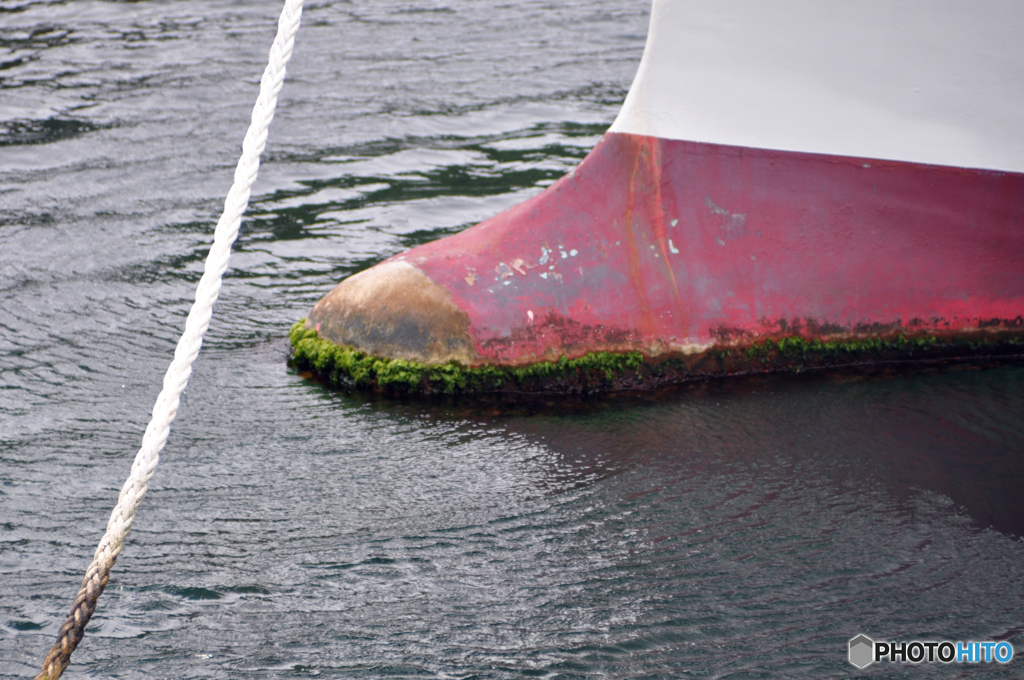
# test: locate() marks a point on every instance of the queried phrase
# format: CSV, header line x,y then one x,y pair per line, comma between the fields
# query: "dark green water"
x,y
731,530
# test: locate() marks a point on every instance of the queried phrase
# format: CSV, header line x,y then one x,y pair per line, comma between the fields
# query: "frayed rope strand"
x,y
185,354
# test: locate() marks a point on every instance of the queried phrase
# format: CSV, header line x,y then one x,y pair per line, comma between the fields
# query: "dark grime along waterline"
x,y
725,529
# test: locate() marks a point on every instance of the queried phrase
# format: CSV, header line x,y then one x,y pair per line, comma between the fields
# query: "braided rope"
x,y
176,378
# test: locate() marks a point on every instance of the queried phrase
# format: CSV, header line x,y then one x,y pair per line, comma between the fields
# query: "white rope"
x,y
176,378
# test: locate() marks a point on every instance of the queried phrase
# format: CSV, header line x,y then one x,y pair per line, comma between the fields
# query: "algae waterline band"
x,y
608,371
597,371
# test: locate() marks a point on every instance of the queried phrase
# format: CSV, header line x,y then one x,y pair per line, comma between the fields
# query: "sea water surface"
x,y
730,530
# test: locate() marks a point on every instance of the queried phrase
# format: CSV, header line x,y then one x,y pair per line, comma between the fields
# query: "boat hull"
x,y
672,247
758,186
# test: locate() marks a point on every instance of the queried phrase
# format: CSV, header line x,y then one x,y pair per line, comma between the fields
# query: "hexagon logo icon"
x,y
862,649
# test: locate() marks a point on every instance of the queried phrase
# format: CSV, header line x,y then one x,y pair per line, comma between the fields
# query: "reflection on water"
x,y
722,529
955,431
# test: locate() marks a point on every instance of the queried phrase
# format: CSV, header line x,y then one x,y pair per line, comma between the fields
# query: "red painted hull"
x,y
667,246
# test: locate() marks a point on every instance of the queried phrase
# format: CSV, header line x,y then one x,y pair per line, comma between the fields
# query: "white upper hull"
x,y
927,81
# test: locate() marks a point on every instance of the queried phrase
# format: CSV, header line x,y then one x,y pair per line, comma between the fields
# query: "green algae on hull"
x,y
795,353
609,371
597,371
